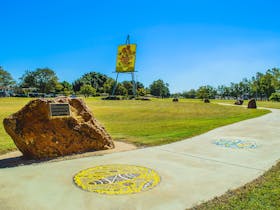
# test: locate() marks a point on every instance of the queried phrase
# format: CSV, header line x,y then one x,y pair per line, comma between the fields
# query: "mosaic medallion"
x,y
236,143
117,179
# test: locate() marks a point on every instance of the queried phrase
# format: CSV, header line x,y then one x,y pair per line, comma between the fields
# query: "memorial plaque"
x,y
59,110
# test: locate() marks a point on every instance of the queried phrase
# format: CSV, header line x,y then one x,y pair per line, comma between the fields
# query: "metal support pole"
x,y
115,86
127,42
133,85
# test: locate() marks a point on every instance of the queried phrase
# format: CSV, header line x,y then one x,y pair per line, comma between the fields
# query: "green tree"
x,y
148,91
226,92
266,82
221,91
6,79
276,78
245,88
129,86
43,79
141,91
28,80
189,94
88,90
108,86
275,97
121,90
202,92
206,92
66,88
94,79
159,88
257,87
263,85
234,90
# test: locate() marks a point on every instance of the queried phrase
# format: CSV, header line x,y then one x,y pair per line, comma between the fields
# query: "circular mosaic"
x,y
236,144
117,179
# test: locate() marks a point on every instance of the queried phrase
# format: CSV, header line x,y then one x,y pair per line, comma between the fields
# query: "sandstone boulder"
x,y
252,104
238,102
206,100
38,135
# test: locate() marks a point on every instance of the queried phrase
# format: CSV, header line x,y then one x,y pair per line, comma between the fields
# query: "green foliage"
x,y
105,84
276,78
141,91
42,79
66,88
6,79
223,91
275,97
88,90
261,86
108,86
266,84
189,94
159,88
94,79
45,80
121,90
206,92
128,85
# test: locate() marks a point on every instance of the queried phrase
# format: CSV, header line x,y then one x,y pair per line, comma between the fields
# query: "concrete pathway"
x,y
192,171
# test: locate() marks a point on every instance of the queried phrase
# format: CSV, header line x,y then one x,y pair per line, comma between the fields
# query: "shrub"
x,y
275,97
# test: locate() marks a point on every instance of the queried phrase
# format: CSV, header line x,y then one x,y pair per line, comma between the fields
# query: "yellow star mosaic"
x,y
117,179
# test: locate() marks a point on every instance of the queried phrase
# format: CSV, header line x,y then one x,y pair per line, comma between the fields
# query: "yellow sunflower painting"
x,y
126,58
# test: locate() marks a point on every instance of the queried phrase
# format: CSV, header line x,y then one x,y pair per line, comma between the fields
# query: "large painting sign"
x,y
126,58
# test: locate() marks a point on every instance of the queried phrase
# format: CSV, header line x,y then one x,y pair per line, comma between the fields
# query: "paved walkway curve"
x,y
192,171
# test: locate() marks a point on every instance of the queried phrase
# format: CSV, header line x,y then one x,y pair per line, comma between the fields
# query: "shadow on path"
x,y
17,161
14,159
20,160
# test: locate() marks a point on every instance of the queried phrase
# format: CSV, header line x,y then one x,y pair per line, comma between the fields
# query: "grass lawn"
x,y
162,121
7,107
146,122
262,193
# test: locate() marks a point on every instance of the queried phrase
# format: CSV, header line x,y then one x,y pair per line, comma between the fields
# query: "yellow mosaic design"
x,y
117,179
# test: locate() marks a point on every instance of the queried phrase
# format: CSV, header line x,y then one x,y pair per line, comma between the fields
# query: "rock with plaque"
x,y
47,128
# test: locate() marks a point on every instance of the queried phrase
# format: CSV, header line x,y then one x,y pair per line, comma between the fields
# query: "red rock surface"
x,y
39,136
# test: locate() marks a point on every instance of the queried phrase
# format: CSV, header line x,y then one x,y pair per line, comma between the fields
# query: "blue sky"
x,y
185,43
